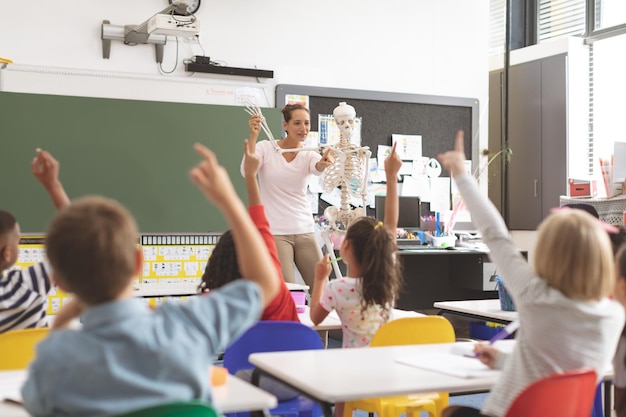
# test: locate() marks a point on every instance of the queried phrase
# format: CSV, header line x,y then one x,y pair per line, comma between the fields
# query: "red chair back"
x,y
569,394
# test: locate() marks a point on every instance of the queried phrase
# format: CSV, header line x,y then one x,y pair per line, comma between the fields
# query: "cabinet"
x,y
541,132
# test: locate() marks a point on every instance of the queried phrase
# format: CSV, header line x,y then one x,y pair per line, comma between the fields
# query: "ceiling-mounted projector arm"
x,y
153,30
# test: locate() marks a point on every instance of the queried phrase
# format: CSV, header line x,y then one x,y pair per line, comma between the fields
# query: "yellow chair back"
x,y
414,331
17,347
407,331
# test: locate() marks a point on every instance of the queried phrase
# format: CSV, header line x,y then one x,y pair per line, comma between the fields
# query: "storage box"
x,y
483,330
579,188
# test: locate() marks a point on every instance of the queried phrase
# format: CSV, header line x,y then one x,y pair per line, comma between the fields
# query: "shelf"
x,y
219,69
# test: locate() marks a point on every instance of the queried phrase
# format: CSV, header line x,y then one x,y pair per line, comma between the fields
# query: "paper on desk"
x,y
449,364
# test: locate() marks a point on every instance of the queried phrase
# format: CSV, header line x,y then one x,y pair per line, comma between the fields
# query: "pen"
x,y
504,333
334,260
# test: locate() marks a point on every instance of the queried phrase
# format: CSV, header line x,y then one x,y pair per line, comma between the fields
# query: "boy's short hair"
x,y
91,246
574,255
7,223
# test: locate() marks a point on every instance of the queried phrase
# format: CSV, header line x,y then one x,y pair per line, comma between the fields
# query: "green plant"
x,y
505,152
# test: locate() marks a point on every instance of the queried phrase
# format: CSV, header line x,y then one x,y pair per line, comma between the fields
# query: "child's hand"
x,y
454,161
255,125
323,268
45,168
211,178
251,161
393,163
486,354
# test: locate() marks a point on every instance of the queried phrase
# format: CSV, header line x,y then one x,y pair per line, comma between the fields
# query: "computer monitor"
x,y
409,216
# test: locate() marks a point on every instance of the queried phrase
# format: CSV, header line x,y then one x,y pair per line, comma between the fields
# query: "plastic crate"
x,y
482,331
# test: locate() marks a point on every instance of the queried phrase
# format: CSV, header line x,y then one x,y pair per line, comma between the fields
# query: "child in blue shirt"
x,y
127,356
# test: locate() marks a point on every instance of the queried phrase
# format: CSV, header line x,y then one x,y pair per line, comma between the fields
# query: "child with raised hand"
x,y
567,318
23,292
127,356
365,298
222,266
619,363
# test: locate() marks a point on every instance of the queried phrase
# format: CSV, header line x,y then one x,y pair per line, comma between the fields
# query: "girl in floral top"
x,y
364,299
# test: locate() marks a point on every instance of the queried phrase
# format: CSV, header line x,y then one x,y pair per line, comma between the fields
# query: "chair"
x,y
569,394
193,408
598,406
275,336
17,347
407,331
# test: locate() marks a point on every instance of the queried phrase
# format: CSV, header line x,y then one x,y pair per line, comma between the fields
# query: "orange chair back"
x,y
569,394
17,347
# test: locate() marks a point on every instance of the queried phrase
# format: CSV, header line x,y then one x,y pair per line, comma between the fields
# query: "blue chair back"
x,y
269,336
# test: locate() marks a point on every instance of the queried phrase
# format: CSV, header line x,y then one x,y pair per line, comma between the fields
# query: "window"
x,y
608,83
609,13
558,18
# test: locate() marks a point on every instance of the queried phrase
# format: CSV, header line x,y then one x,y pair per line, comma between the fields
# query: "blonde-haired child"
x,y
567,318
619,363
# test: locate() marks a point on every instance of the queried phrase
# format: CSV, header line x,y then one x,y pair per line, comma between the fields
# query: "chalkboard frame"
x,y
414,103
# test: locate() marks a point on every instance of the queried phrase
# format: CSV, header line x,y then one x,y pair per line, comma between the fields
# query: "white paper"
x,y
409,146
406,168
297,99
449,364
374,172
440,194
619,161
416,187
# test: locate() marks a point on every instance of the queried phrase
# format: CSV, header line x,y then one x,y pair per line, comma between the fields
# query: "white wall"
x,y
416,46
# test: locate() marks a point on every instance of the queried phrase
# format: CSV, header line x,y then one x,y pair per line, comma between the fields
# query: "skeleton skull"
x,y
344,115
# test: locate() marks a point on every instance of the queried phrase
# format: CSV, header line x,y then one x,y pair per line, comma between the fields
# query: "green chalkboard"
x,y
138,152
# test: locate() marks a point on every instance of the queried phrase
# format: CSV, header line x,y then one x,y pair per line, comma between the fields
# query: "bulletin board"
x,y
435,118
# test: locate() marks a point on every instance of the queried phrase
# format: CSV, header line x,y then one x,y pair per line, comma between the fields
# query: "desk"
x,y
234,396
369,373
432,275
488,310
362,373
332,322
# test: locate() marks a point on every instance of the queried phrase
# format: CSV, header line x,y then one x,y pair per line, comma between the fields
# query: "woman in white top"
x,y
567,319
283,180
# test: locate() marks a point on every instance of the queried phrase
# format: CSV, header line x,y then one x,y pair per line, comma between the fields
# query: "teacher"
x,y
283,180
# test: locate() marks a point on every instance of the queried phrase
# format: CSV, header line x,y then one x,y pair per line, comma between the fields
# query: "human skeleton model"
x,y
348,171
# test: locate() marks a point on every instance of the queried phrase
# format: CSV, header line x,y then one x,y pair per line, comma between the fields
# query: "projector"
x,y
174,25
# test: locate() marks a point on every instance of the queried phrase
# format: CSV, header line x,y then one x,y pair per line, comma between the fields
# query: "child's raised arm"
x,y
322,272
46,169
255,263
454,161
251,164
393,163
